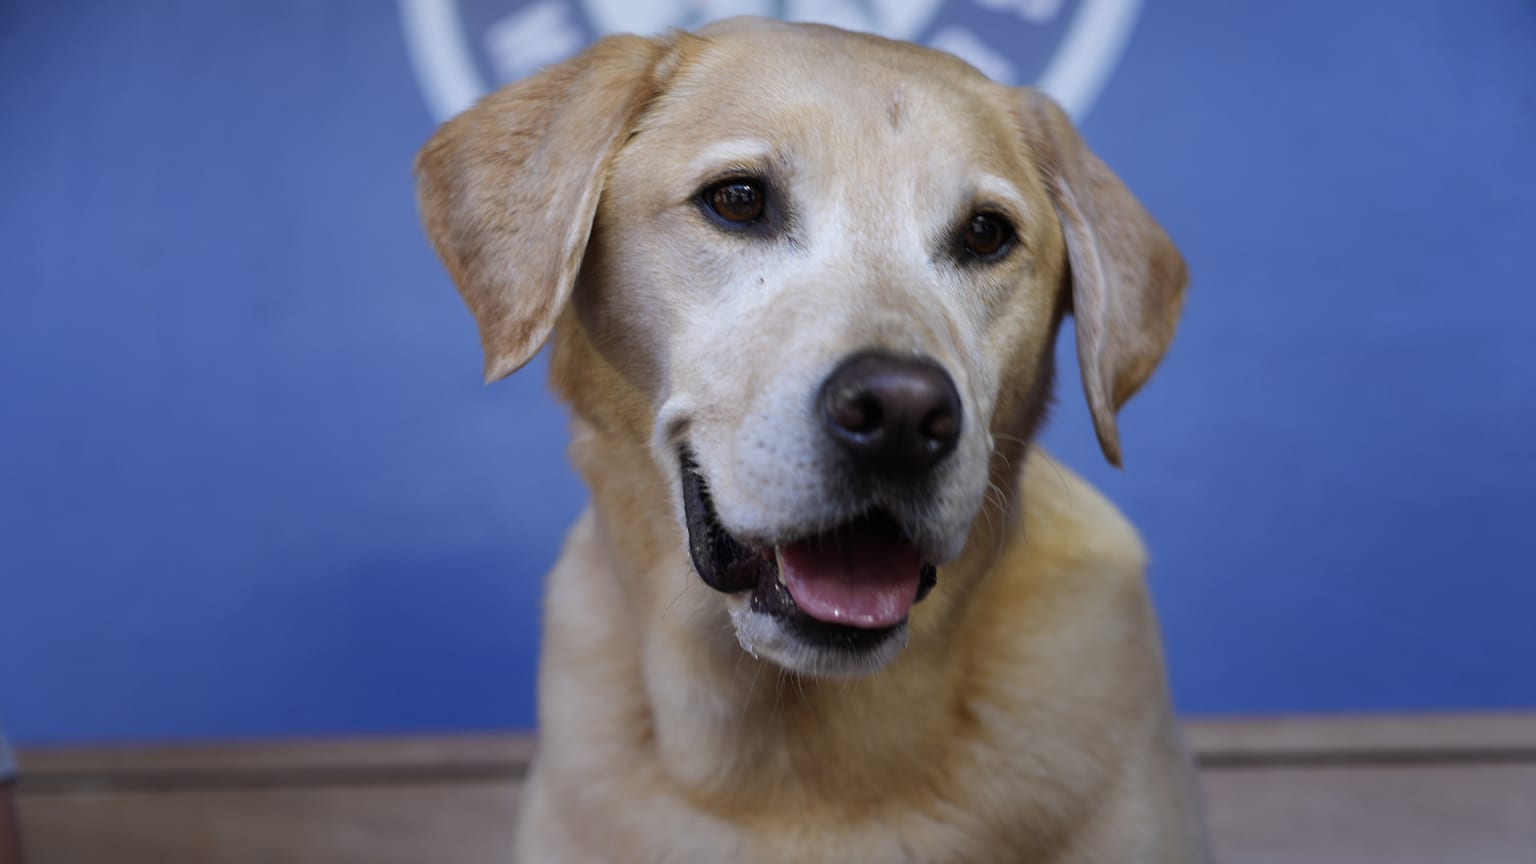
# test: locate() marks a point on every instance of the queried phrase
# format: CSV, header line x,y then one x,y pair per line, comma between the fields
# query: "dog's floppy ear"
x,y
509,188
1127,277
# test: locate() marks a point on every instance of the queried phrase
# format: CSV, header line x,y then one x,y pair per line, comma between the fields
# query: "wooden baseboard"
x,y
1288,790
1383,739
281,763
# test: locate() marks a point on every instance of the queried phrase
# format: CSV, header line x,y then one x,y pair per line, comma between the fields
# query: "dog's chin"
x,y
828,603
813,649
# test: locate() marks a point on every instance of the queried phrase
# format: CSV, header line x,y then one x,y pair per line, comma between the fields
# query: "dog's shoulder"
x,y
1067,522
1072,563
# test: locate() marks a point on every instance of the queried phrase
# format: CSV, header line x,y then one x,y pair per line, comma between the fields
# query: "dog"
x,y
827,603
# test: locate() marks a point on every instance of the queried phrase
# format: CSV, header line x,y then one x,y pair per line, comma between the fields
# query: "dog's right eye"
x,y
737,201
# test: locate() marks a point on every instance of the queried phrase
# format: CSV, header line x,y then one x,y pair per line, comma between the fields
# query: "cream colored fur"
x,y
1027,717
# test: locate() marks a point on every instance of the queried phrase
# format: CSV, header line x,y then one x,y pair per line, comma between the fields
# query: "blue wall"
x,y
250,483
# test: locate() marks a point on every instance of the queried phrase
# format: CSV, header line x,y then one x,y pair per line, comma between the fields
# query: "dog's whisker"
x,y
1060,479
684,590
752,688
778,695
741,656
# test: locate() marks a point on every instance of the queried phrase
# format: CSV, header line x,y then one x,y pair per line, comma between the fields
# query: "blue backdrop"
x,y
251,484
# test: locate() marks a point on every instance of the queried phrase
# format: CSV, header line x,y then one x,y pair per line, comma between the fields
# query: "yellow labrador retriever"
x,y
827,604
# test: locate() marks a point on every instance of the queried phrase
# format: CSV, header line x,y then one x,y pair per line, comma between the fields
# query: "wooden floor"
x,y
1425,790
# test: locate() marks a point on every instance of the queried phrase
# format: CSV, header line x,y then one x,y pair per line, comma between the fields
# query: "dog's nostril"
x,y
942,425
855,412
891,411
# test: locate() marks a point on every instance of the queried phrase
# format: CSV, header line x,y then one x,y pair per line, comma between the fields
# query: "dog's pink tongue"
x,y
860,579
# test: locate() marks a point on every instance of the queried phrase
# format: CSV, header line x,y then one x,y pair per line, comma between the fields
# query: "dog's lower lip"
x,y
729,566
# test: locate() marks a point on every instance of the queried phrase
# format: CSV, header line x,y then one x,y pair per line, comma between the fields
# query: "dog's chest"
x,y
629,822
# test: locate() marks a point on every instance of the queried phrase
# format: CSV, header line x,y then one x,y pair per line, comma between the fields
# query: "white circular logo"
x,y
1068,48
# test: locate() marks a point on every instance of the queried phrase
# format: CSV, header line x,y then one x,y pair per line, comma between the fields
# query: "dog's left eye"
x,y
739,201
988,235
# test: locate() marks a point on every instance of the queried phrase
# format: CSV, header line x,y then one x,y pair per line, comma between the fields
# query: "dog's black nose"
x,y
892,412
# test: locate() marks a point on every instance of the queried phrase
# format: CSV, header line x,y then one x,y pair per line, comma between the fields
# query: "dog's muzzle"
x,y
848,586
891,419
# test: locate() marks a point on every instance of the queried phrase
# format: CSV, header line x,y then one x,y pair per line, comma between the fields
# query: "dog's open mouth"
x,y
850,587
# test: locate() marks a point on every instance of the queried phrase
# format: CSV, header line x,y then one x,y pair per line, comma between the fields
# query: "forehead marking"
x,y
898,108
1003,192
733,150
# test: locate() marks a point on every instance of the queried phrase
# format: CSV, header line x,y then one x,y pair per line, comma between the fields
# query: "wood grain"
x,y
463,823
1393,814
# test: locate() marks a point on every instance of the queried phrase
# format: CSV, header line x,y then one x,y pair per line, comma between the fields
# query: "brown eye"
x,y
739,201
987,235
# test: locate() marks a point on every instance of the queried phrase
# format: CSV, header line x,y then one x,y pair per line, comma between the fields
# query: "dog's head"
x,y
830,269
